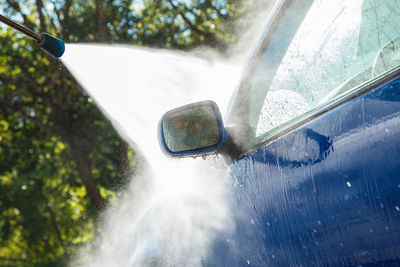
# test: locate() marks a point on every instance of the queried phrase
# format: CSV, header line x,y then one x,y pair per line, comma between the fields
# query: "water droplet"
x,y
23,187
348,184
248,262
397,208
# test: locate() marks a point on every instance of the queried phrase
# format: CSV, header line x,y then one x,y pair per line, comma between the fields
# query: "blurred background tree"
x,y
61,161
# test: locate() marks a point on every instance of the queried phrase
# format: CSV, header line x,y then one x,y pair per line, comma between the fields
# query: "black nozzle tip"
x,y
54,46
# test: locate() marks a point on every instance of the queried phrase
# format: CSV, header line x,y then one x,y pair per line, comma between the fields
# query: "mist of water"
x,y
172,209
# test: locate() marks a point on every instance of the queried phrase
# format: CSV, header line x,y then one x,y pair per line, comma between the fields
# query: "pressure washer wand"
x,y
54,46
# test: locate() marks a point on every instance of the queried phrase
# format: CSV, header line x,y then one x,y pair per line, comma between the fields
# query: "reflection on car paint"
x,y
336,204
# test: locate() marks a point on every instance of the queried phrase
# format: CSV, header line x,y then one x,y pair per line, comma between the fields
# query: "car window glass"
x,y
320,50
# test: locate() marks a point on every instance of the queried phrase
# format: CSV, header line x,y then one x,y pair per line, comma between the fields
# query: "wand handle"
x,y
21,28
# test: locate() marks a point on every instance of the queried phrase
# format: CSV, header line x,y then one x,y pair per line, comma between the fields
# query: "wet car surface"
x,y
314,140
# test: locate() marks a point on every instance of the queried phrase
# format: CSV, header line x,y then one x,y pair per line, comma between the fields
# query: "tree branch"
x,y
39,7
53,219
210,5
17,8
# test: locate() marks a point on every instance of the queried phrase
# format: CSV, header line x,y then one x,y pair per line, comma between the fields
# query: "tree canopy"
x,y
61,161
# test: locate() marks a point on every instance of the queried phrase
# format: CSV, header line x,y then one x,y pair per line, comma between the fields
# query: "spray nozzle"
x,y
53,46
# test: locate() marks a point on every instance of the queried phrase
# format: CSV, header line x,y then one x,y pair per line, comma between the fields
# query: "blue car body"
x,y
325,190
339,206
321,187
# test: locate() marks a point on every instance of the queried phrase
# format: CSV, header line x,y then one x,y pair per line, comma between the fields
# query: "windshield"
x,y
318,51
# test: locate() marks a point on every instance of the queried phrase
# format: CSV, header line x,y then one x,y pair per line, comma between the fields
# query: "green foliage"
x,y
187,24
60,159
45,211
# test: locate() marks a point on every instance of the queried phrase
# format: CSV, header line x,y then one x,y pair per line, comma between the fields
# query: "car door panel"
x,y
327,193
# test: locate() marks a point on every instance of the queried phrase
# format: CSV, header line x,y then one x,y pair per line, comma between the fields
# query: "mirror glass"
x,y
192,127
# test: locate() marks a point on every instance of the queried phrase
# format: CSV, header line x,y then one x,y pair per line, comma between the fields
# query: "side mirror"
x,y
192,129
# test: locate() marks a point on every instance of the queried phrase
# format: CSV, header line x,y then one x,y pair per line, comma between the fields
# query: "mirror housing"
x,y
194,129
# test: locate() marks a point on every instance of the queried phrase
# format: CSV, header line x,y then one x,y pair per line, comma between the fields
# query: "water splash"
x,y
173,209
135,86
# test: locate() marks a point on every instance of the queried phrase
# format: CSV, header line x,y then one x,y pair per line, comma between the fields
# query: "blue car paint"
x,y
327,193
324,193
